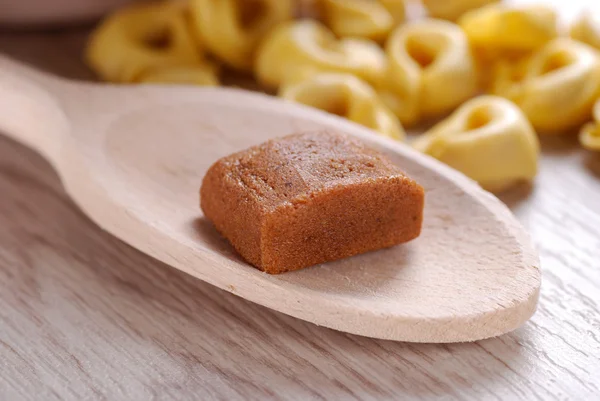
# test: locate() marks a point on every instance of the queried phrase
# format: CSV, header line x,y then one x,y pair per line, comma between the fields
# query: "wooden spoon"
x,y
133,157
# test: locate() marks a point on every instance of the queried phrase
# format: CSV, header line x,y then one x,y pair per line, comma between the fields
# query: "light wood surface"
x,y
83,316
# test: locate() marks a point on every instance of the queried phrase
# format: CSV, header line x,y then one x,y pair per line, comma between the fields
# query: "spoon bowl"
x,y
133,158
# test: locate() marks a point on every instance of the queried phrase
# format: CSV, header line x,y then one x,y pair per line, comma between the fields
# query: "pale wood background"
x,y
85,317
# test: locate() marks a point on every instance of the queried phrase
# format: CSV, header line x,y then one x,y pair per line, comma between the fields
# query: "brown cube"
x,y
310,198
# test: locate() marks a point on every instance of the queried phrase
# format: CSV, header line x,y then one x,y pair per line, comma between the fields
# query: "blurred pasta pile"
x,y
495,74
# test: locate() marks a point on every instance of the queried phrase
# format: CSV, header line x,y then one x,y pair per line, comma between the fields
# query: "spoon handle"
x,y
30,113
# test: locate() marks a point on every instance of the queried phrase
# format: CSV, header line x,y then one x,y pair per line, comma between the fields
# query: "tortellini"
x,y
589,137
363,18
558,87
453,9
430,70
186,75
142,38
232,29
499,30
488,139
308,45
587,29
347,96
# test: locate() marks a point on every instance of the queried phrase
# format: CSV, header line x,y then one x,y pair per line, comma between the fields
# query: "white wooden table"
x,y
84,316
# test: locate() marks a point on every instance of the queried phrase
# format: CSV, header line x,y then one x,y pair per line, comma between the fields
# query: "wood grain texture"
x,y
83,316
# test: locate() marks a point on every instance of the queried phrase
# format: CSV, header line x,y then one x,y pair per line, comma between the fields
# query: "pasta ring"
x,y
139,38
309,45
488,139
232,29
363,18
347,96
500,30
559,87
430,70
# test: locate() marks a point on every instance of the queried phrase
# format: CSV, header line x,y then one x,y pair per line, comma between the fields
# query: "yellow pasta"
x,y
363,18
231,29
430,70
308,45
589,137
559,86
506,74
205,75
140,38
347,96
453,9
498,30
587,29
488,139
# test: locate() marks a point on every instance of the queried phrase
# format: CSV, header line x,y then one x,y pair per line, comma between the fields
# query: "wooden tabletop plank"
x,y
84,316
